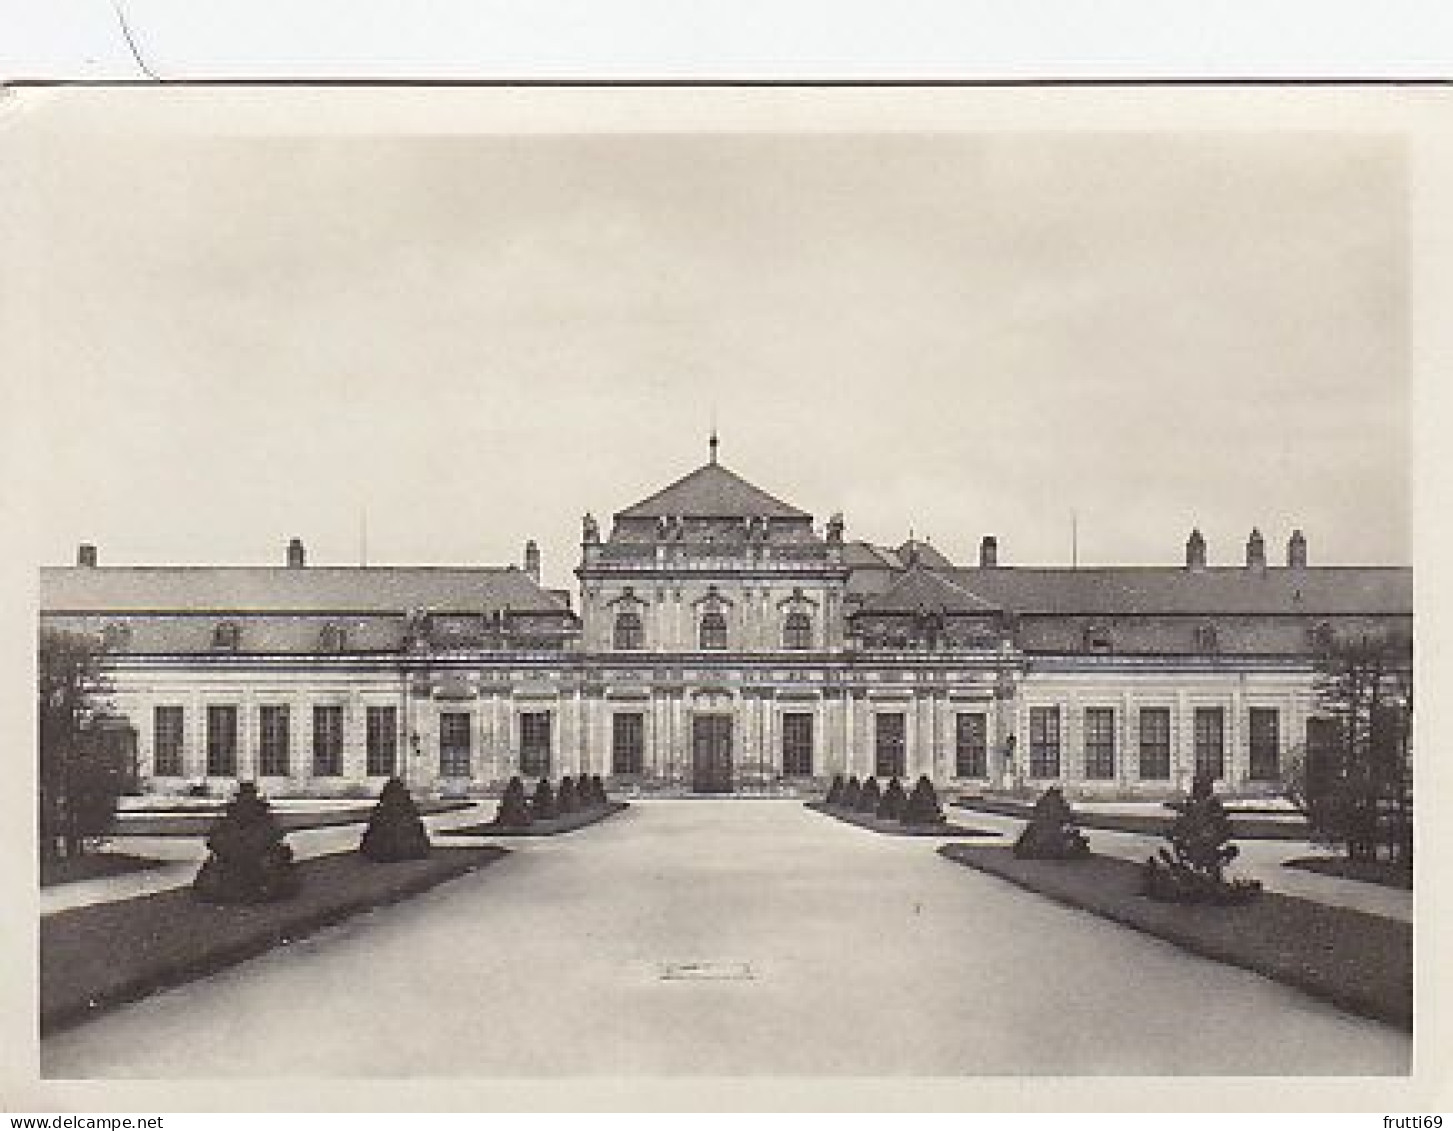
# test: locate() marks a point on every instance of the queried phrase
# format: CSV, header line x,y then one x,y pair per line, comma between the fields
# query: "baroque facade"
x,y
722,642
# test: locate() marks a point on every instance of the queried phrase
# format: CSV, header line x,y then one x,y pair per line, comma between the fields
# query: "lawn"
x,y
1365,871
96,957
890,827
93,866
1362,963
568,823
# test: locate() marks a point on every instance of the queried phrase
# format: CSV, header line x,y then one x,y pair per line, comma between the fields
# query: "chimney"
x,y
1297,550
1195,551
86,555
1255,550
988,552
295,554
532,561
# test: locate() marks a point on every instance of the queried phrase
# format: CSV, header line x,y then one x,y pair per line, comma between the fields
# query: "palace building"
x,y
722,641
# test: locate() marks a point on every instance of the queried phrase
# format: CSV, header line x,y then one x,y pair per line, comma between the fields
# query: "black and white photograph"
x,y
656,583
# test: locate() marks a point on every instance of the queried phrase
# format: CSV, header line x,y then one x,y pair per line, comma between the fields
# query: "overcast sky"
x,y
478,339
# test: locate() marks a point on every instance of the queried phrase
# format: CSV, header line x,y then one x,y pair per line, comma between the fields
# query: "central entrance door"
x,y
711,753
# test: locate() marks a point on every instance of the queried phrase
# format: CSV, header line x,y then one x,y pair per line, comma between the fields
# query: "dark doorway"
x,y
711,753
889,728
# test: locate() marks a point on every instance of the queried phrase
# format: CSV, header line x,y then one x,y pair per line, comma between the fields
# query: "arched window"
x,y
797,631
629,632
227,636
333,638
1098,639
713,633
1207,639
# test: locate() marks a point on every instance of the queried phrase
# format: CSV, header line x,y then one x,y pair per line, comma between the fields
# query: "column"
x,y
565,725
194,748
680,742
1181,749
1072,750
769,764
355,736
249,737
300,737
1236,744
660,752
1123,752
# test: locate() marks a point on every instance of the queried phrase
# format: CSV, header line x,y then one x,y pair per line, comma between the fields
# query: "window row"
x,y
971,745
1154,746
275,741
456,744
711,631
628,744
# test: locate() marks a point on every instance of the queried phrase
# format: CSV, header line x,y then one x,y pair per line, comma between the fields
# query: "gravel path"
x,y
726,938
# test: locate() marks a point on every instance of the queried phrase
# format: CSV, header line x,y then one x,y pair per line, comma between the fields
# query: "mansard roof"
x,y
923,588
860,555
312,589
1173,590
712,491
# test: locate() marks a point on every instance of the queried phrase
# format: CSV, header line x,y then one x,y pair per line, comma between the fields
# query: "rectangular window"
x,y
454,744
221,741
1099,742
272,741
797,631
166,742
628,743
1210,743
327,741
713,630
888,744
383,741
971,745
797,745
1265,762
1155,743
1044,742
535,744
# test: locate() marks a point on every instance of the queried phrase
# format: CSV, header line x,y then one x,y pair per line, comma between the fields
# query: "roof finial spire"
x,y
713,442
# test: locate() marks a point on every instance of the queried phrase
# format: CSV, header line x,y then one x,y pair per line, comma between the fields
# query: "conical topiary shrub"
x,y
514,806
835,791
542,805
870,796
248,861
567,797
1193,869
597,791
922,807
1051,833
852,793
893,801
395,829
